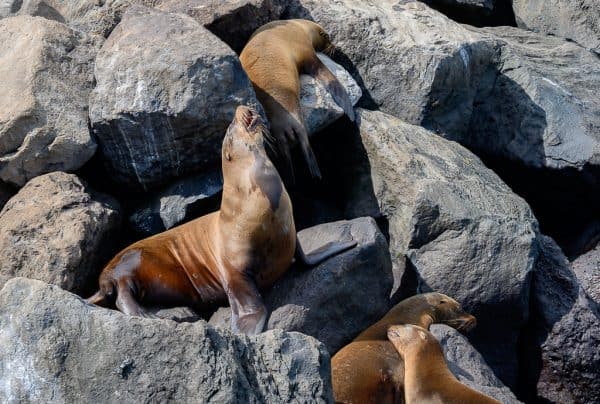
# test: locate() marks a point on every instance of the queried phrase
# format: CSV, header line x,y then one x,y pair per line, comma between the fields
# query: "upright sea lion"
x,y
427,378
226,255
369,370
274,57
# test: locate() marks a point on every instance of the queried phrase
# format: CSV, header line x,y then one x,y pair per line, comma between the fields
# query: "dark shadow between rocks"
x,y
501,12
554,292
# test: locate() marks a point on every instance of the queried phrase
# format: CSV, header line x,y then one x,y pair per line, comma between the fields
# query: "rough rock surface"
x,y
179,202
587,269
561,353
159,110
57,230
463,230
468,365
576,20
541,107
410,60
233,21
91,16
338,298
45,77
56,348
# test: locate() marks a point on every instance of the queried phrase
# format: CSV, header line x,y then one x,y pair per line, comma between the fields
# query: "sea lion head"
x,y
448,311
245,136
320,39
410,337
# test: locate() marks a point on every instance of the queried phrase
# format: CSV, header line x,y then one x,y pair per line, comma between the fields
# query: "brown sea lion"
x,y
226,255
427,378
369,370
274,57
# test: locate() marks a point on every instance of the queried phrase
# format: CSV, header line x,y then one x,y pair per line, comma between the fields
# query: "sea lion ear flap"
x,y
423,335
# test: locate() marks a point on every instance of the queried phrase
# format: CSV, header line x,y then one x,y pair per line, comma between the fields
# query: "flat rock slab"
x,y
338,298
56,348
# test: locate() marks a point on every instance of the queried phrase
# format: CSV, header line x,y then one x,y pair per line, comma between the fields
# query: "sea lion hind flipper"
x,y
307,151
127,304
248,312
322,253
320,72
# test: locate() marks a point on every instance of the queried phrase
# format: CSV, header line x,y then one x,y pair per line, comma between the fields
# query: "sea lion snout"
x,y
464,322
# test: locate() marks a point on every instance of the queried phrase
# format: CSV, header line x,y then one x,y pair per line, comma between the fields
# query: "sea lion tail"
x,y
102,296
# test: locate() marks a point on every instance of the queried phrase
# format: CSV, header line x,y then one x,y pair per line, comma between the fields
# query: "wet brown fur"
x,y
275,56
427,378
369,369
223,256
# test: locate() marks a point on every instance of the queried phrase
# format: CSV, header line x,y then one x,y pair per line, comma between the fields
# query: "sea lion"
x,y
369,370
229,254
427,378
274,57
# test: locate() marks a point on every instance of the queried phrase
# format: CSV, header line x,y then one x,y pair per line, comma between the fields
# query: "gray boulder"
x,y
233,21
56,348
587,269
91,16
179,202
541,106
468,365
562,361
159,109
57,230
46,77
338,298
411,61
577,20
453,225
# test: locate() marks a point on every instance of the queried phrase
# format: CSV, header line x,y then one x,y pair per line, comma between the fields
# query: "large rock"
x,y
233,21
410,60
159,109
56,348
91,16
46,77
587,269
468,365
560,344
454,226
340,297
577,20
541,106
57,230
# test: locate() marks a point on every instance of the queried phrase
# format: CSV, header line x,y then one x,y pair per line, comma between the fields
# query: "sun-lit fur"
x,y
427,378
369,370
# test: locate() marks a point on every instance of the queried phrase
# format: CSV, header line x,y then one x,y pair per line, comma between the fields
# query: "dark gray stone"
x,y
587,269
560,345
338,298
56,348
57,230
577,20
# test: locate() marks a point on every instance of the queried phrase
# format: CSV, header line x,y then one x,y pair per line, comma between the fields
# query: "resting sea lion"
x,y
427,378
369,370
226,255
274,57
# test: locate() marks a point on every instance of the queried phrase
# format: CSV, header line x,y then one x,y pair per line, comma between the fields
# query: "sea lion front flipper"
x,y
127,304
320,72
248,312
322,253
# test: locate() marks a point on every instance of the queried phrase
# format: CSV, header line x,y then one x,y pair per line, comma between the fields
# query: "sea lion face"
x,y
245,136
409,337
320,39
448,311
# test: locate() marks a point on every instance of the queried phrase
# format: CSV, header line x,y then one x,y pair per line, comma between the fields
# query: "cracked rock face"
x,y
46,77
85,353
159,109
